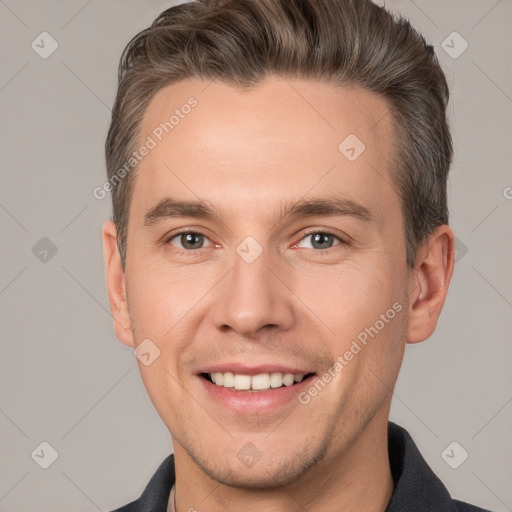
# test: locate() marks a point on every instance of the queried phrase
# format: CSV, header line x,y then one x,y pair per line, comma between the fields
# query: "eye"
x,y
188,240
322,239
194,240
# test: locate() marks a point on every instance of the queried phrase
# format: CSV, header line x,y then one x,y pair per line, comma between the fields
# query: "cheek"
x,y
158,298
347,298
164,306
350,301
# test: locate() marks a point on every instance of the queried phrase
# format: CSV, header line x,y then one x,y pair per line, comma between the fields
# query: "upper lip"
x,y
247,369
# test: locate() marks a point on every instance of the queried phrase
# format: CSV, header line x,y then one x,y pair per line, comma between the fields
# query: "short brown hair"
x,y
344,42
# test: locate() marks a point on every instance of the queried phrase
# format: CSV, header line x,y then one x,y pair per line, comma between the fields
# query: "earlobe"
x,y
429,282
115,277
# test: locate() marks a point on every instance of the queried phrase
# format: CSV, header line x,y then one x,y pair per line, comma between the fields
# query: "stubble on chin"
x,y
258,477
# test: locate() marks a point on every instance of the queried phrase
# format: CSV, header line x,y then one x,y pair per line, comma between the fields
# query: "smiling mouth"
x,y
260,382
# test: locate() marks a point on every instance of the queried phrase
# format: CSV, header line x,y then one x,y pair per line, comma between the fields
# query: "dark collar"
x,y
416,485
417,488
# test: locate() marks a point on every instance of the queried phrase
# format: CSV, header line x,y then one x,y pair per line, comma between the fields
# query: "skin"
x,y
246,153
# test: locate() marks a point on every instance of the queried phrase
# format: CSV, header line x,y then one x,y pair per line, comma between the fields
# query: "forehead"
x,y
280,140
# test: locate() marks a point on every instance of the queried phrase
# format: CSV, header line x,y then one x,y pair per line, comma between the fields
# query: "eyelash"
x,y
304,235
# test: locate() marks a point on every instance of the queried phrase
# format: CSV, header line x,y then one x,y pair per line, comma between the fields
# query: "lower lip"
x,y
254,402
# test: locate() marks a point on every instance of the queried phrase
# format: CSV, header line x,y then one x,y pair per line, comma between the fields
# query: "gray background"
x,y
66,380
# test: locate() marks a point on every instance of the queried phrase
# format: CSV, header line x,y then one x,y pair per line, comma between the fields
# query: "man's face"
x,y
251,291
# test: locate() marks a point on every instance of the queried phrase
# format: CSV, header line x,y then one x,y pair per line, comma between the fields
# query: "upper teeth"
x,y
258,382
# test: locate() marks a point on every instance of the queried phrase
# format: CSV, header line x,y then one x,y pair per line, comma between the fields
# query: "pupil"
x,y
188,240
321,238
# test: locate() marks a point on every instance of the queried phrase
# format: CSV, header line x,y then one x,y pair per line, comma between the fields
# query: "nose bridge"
x,y
252,296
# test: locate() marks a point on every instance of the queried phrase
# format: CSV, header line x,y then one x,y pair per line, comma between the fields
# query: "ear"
x,y
429,282
116,284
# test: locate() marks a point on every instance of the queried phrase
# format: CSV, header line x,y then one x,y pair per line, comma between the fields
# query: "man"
x,y
280,231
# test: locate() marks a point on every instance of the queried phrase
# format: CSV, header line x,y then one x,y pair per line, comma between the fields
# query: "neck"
x,y
358,478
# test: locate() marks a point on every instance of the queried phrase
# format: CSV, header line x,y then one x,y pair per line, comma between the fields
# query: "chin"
x,y
266,473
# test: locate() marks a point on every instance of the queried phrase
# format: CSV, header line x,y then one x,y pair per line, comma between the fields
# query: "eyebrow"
x,y
322,207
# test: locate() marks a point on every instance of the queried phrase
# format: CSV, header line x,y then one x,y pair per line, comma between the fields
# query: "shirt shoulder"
x,y
417,487
156,494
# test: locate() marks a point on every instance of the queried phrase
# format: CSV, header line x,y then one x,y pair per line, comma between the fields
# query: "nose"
x,y
253,297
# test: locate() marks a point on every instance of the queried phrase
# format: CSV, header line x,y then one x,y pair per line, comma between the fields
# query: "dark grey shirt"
x,y
417,488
